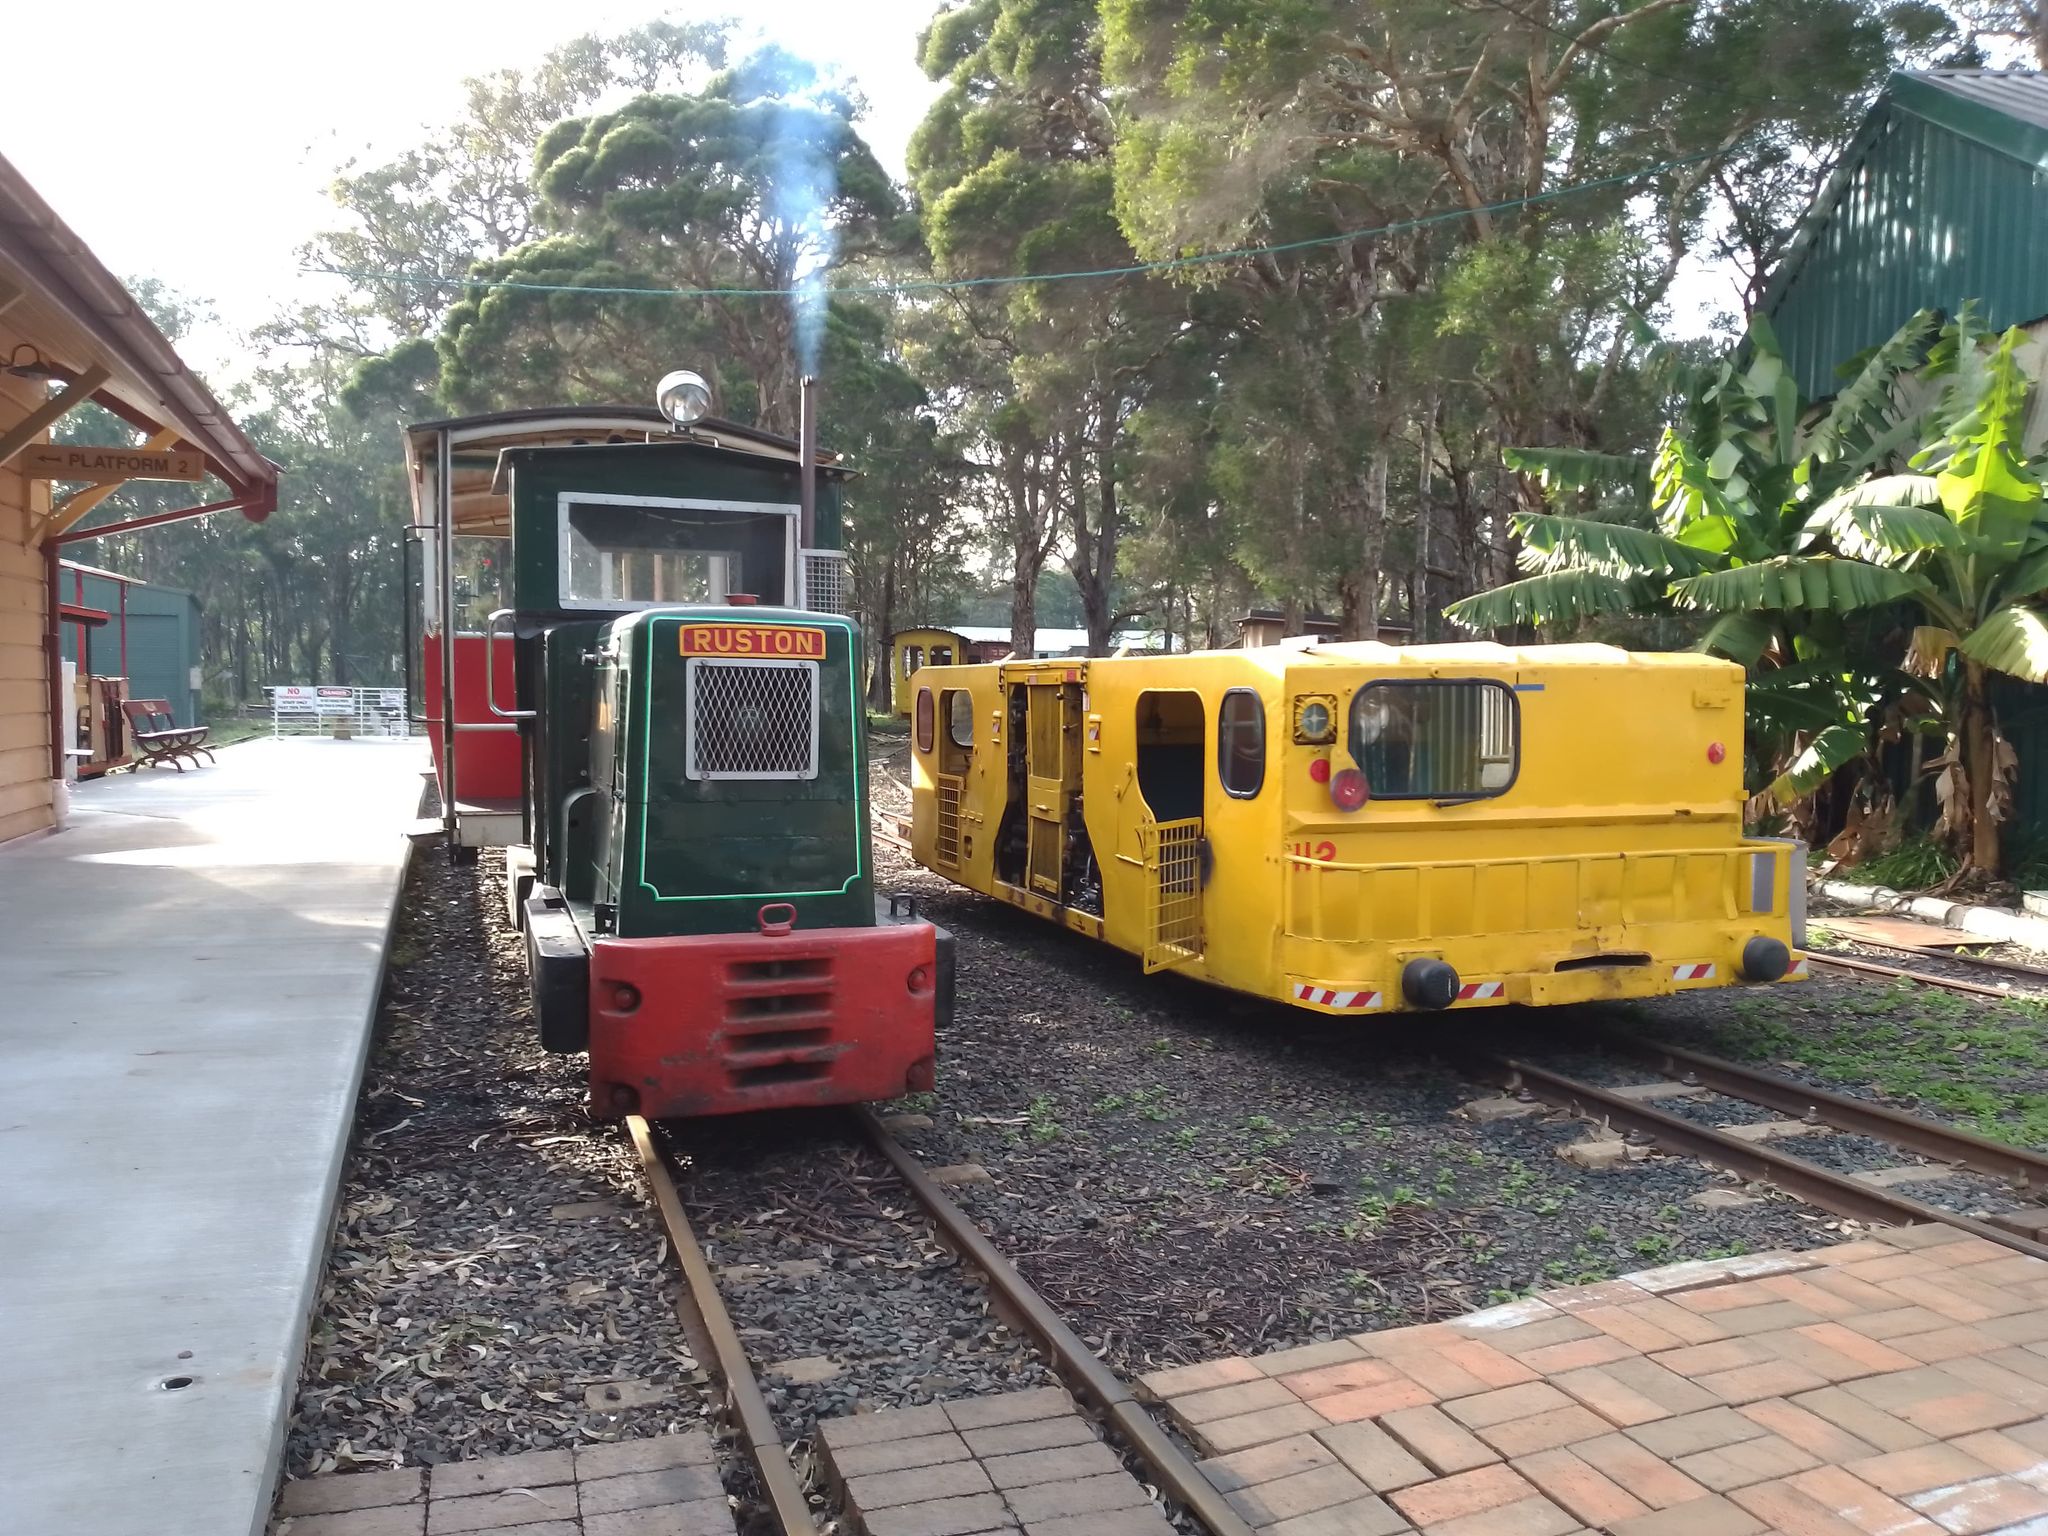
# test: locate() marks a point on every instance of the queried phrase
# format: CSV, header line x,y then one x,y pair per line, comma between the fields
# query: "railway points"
x,y
189,973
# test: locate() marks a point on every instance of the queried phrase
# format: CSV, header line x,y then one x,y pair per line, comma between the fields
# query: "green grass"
x,y
1914,865
1966,1059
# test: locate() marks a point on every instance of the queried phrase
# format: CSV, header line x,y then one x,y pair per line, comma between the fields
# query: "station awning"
x,y
90,340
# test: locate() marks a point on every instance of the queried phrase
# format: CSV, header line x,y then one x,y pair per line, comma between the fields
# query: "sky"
x,y
199,152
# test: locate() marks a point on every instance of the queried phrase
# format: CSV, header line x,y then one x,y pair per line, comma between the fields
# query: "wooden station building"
x,y
71,333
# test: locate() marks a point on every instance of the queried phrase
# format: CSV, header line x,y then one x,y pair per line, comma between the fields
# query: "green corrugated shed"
x,y
163,639
1941,197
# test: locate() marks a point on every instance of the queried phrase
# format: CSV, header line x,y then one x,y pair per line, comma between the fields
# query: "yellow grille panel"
x,y
1173,865
1394,903
946,837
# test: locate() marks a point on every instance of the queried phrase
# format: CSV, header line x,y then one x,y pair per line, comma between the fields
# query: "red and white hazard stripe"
x,y
1693,972
1327,997
1479,991
1798,971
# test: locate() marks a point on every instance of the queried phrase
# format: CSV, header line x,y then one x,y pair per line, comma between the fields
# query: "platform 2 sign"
x,y
110,466
777,642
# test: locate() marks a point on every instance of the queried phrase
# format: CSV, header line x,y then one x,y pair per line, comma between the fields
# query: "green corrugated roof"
x,y
1941,197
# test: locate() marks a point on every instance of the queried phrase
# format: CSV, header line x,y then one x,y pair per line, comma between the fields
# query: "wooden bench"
x,y
160,739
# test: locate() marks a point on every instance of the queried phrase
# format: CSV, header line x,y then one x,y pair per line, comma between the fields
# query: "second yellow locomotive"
x,y
1359,828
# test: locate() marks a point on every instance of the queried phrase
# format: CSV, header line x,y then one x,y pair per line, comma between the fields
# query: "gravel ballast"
x,y
1188,1173
496,1282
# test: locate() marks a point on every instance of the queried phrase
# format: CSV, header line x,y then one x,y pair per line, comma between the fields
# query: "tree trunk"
x,y
881,688
1095,548
1024,612
1980,765
1359,586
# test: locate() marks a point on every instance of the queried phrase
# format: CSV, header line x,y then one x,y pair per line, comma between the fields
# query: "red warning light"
x,y
1716,752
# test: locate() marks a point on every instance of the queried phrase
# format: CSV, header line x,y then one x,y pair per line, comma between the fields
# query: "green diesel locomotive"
x,y
692,865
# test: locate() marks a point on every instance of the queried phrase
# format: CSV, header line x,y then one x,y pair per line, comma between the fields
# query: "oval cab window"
x,y
924,719
960,717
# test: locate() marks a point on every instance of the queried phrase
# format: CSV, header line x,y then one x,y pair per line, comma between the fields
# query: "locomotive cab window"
x,y
913,658
960,718
1241,743
1458,739
623,552
924,720
942,656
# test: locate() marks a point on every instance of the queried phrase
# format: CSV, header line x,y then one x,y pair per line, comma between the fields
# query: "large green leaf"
x,y
1685,493
1552,598
1864,405
1795,709
1833,748
1576,469
2027,579
1987,486
2014,639
1887,491
1742,637
1577,543
1882,533
1821,582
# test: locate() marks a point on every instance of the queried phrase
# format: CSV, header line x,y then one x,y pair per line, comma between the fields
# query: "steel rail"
x,y
1924,978
1943,1143
701,1303
1983,962
1072,1359
1810,1182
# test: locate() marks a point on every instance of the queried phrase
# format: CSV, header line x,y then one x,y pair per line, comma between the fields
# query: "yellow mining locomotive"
x,y
1356,828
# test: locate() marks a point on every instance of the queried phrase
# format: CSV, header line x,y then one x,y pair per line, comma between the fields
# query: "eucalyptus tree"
x,y
1012,172
1445,211
682,226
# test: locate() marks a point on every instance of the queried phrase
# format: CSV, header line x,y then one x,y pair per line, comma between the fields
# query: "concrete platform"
x,y
188,975
1893,1386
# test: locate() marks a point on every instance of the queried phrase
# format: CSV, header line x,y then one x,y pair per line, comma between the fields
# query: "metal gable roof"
x,y
1940,197
2003,109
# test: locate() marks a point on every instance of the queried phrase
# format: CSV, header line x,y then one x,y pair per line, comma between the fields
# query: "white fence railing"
x,y
302,709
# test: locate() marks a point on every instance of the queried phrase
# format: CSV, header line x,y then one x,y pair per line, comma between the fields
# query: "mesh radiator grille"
x,y
753,719
825,581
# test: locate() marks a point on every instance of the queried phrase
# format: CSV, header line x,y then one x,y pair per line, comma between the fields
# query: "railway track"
x,y
1856,965
1759,1161
711,1328
2028,980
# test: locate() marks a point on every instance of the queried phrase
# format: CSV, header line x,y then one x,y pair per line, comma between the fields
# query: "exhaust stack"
x,y
807,467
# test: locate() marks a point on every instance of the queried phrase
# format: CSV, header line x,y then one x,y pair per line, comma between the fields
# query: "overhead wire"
x,y
1013,279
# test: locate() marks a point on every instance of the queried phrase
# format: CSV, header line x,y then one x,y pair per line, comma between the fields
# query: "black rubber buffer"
x,y
558,972
1765,959
1429,984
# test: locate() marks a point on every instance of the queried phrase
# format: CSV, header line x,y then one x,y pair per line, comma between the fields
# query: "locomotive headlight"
x,y
683,397
1315,722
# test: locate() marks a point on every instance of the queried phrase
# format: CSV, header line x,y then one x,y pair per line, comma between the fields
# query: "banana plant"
x,y
1782,536
1731,485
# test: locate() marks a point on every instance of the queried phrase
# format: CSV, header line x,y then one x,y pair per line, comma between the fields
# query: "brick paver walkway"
x,y
1014,1461
665,1486
1892,1386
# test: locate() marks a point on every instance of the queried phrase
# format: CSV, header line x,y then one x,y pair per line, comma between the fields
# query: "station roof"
x,y
475,443
84,323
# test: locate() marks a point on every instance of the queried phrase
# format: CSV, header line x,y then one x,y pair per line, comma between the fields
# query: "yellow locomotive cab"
x,y
911,649
1358,828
